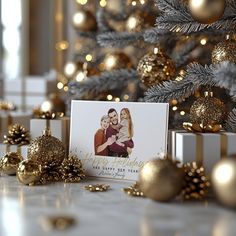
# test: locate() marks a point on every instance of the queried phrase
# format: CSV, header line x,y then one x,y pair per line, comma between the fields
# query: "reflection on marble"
x,y
107,213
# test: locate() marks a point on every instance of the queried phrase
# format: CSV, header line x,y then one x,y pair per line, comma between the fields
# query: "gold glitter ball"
x,y
155,68
224,51
47,150
208,110
29,172
10,162
97,187
161,180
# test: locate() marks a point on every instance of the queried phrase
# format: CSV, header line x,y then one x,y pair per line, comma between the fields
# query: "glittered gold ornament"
x,y
115,61
53,104
155,67
10,162
46,150
161,180
134,190
207,111
84,20
139,21
71,170
224,181
196,182
224,51
207,11
17,135
7,106
97,187
29,172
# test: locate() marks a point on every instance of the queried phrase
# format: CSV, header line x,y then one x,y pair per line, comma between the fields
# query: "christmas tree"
x,y
163,51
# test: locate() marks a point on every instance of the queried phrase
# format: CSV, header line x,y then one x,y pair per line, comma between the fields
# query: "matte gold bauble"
x,y
138,21
115,61
207,110
224,181
84,20
9,163
161,180
155,67
207,11
47,151
53,104
29,172
224,51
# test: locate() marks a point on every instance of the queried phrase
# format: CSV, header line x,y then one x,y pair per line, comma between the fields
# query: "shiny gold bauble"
x,y
115,61
155,67
207,110
47,151
9,163
161,180
84,20
53,104
138,21
207,11
224,51
224,181
29,172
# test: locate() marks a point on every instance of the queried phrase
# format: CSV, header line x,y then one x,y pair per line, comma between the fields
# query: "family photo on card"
x,y
114,140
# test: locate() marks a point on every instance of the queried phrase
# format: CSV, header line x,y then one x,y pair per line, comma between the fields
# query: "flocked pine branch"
x,y
230,124
103,26
118,39
175,16
95,85
196,76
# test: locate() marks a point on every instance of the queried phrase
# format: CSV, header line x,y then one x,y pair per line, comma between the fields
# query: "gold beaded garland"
x,y
155,68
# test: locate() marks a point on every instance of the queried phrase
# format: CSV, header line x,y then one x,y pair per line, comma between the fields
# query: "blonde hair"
x,y
105,117
131,128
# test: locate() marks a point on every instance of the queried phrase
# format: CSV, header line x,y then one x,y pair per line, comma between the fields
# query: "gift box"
x,y
7,119
4,148
60,128
204,148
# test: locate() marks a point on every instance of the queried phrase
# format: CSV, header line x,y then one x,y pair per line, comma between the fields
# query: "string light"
x,y
60,85
62,45
117,99
103,3
66,88
80,76
203,41
126,97
82,2
182,113
70,69
109,97
174,108
89,57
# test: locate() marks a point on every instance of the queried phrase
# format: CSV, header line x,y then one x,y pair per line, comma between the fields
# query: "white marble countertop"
x,y
110,213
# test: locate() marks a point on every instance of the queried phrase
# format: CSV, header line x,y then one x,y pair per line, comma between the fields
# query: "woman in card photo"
x,y
101,143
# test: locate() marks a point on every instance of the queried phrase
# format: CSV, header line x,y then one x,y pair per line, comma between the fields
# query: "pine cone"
x,y
17,135
71,170
196,182
51,174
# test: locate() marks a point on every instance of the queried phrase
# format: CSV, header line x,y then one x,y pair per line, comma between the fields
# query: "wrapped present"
x,y
9,118
204,148
4,148
60,128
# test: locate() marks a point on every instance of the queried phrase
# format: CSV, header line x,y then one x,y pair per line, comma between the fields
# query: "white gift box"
x,y
60,128
205,148
23,150
21,118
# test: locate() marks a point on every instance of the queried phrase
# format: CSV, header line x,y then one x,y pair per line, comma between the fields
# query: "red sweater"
x,y
99,139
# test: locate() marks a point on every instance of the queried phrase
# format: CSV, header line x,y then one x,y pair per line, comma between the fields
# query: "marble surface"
x,y
113,213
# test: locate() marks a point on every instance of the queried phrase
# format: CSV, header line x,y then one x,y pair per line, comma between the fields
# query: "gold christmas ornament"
x,y
115,61
97,187
7,106
84,20
10,162
139,21
29,172
208,111
53,104
161,180
134,190
196,182
71,170
47,151
17,135
224,51
207,11
155,67
224,181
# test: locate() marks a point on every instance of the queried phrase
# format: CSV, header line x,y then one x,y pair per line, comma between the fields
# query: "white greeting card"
x,y
114,140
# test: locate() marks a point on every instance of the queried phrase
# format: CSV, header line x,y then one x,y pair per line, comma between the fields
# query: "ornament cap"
x,y
209,94
47,132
